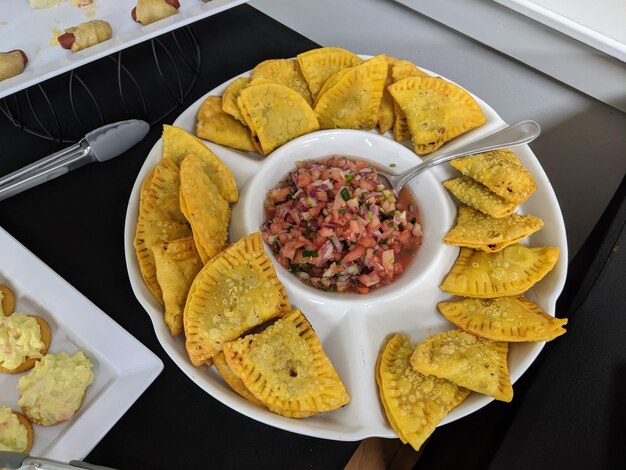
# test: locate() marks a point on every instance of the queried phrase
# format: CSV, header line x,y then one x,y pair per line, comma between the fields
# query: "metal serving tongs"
x,y
100,145
19,460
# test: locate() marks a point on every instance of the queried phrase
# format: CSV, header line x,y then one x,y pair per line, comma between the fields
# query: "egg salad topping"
x,y
20,338
53,390
13,435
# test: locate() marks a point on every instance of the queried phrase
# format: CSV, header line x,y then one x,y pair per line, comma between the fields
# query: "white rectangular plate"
x,y
35,32
123,367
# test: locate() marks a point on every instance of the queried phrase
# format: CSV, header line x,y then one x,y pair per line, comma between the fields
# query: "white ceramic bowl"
x,y
436,210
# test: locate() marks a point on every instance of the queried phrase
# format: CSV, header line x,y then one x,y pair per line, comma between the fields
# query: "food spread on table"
x,y
327,221
52,387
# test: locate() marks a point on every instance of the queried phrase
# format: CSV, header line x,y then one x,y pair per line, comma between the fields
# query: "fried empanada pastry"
x,y
415,403
318,65
230,95
177,264
331,82
386,115
145,186
177,144
149,11
231,379
400,70
164,189
512,319
207,211
511,271
275,114
501,172
154,226
354,100
286,368
284,72
479,231
469,361
436,111
85,35
474,194
215,125
236,291
12,63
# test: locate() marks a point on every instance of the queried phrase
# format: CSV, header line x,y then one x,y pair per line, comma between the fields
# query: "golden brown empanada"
x,y
474,194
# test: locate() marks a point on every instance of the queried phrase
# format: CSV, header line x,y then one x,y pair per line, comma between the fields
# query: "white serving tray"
x,y
35,32
123,367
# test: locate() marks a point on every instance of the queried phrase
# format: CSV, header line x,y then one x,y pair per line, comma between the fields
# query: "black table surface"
x,y
75,224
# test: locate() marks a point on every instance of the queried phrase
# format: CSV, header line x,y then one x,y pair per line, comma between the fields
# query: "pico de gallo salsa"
x,y
336,227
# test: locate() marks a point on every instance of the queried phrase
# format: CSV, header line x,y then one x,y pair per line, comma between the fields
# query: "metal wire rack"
x,y
148,81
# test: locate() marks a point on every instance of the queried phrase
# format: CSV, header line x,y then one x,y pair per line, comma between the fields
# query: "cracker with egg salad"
x,y
318,65
7,301
353,101
478,196
472,362
207,212
512,319
24,340
16,431
284,72
236,291
501,172
436,110
177,264
511,271
400,70
479,231
414,403
230,95
177,144
286,368
54,390
217,126
275,114
232,379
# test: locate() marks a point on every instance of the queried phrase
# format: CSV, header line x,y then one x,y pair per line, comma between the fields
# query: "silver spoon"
x,y
517,134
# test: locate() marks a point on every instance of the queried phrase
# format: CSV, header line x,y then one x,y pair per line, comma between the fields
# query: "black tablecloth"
x,y
567,412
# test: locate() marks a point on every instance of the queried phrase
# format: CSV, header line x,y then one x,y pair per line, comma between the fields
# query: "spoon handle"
x,y
517,134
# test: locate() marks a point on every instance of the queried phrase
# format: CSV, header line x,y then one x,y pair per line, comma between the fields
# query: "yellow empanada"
x,y
286,368
501,172
511,271
512,319
275,114
153,226
436,111
318,65
284,72
230,95
231,379
177,144
354,100
207,211
236,291
215,125
400,70
177,264
476,230
469,361
164,188
474,194
415,403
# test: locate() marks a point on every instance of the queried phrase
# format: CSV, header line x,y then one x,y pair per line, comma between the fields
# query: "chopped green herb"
x,y
349,177
342,211
383,241
309,253
413,220
392,165
369,215
345,194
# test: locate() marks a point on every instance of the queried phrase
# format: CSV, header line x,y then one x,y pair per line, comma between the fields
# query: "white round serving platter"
x,y
353,328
